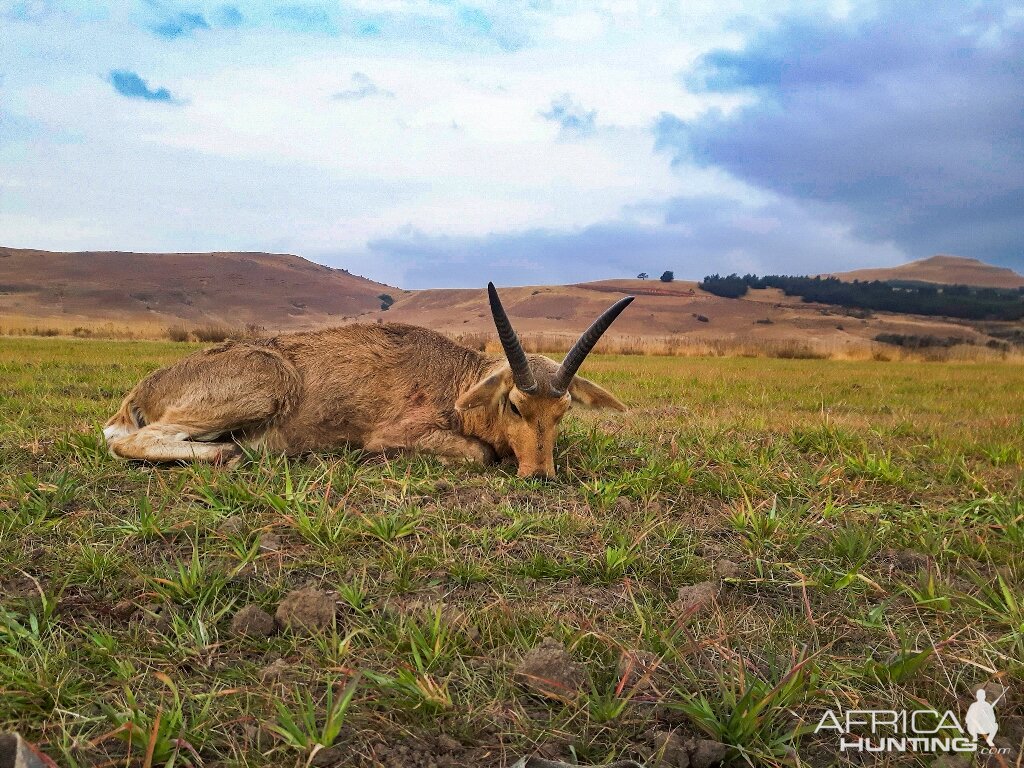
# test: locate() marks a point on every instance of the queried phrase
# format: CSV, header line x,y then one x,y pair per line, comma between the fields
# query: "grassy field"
x,y
756,541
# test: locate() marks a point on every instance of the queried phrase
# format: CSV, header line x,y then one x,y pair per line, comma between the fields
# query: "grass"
x,y
873,513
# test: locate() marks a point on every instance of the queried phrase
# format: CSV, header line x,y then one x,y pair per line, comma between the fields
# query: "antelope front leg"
x,y
456,446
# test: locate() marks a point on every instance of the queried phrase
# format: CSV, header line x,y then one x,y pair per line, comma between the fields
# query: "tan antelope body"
x,y
377,387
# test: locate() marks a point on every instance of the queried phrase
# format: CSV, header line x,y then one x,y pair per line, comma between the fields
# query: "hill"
x,y
234,289
947,270
144,294
552,315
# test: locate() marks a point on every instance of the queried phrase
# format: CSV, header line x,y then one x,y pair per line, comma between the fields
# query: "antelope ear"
x,y
588,394
485,392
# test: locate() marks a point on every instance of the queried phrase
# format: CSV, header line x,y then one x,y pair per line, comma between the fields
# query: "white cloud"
x,y
258,154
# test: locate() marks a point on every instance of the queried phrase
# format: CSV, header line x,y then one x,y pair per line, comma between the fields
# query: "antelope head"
x,y
527,397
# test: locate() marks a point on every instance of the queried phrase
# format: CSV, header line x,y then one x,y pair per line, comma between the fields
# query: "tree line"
x,y
962,301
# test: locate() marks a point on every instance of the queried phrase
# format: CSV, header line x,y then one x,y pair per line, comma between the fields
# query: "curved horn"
x,y
572,362
521,373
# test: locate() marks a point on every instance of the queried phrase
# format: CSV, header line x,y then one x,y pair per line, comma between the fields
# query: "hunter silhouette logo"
x,y
981,718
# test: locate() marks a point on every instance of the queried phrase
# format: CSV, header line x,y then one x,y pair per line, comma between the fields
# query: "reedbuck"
x,y
378,387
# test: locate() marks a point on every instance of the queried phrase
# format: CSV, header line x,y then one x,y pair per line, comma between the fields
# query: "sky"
x,y
439,143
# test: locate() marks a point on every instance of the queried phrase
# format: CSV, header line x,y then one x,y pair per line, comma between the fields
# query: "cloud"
x,y
909,119
362,88
180,24
132,86
691,236
574,119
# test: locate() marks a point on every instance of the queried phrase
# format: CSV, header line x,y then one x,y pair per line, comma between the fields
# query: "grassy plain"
x,y
861,524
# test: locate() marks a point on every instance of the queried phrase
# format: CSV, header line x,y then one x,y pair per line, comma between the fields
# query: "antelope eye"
x,y
512,407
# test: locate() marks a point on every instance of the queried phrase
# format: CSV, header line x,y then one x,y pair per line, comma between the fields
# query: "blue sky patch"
x,y
130,85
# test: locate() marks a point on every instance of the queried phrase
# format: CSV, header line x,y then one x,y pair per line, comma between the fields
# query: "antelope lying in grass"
x,y
377,387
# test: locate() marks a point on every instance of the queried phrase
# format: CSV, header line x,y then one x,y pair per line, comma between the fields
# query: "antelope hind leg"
x,y
172,442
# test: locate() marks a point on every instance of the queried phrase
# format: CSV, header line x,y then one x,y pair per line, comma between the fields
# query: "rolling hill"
x,y
144,294
660,311
234,289
946,270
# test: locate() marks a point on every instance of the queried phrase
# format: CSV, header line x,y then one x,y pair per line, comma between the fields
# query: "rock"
x,y
123,609
306,611
726,569
329,756
693,598
550,671
275,670
669,750
446,743
253,621
707,753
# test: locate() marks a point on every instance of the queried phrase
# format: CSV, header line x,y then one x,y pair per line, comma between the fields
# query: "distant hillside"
x,y
948,270
144,294
272,290
664,310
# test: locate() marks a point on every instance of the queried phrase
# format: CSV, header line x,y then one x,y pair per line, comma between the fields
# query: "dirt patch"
x,y
727,569
438,752
275,670
671,750
694,598
306,611
549,670
253,621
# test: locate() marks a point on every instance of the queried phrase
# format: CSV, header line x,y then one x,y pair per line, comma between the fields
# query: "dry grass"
x,y
787,349
546,342
21,325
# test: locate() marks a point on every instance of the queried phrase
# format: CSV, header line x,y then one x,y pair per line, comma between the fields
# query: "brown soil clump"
x,y
549,670
253,621
306,611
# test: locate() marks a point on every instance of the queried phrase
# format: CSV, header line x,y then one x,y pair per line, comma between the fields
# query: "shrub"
x,y
967,302
211,333
730,287
177,333
667,276
914,341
